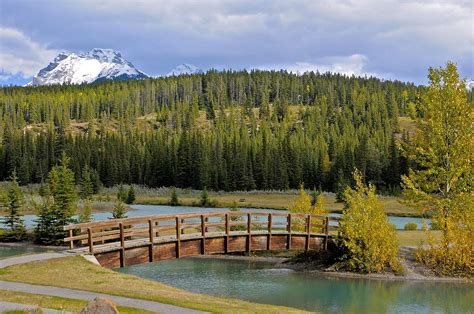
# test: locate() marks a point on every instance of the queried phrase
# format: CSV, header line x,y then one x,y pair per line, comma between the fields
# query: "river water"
x,y
263,283
145,210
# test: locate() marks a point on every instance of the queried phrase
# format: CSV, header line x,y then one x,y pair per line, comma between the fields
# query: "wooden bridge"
x,y
129,241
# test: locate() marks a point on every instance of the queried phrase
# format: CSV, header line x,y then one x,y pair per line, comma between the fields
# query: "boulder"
x,y
100,306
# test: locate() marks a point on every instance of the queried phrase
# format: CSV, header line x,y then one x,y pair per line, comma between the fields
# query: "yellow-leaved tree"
x,y
368,238
302,204
441,178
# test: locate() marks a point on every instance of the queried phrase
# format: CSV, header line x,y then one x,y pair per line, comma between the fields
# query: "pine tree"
x,y
122,194
174,197
86,188
85,215
13,219
131,195
58,208
120,211
204,201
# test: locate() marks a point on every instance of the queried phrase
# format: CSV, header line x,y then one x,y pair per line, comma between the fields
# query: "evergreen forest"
x,y
229,130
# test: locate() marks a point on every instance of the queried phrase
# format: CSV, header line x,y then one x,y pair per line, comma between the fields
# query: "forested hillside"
x,y
220,130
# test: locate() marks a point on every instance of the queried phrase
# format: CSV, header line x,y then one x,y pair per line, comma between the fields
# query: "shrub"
x,y
303,204
174,198
410,226
120,211
368,239
131,195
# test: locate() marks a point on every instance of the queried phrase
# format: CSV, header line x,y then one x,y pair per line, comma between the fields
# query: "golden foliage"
x,y
303,205
441,181
367,236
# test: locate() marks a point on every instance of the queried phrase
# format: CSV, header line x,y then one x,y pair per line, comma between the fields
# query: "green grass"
x,y
55,303
274,200
104,201
77,273
415,237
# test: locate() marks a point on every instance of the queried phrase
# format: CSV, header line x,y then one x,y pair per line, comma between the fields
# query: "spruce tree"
x,y
119,211
13,219
204,201
86,188
174,197
85,215
58,208
131,195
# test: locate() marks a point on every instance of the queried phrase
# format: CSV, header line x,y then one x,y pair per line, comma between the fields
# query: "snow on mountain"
x,y
470,85
95,65
185,68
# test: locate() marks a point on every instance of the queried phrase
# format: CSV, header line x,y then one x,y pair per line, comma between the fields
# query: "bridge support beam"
x,y
270,226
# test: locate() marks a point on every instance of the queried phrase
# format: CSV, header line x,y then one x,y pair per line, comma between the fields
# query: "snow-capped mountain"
x,y
184,69
95,65
470,85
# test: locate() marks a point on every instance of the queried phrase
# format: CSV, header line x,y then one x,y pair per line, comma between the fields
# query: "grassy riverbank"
x,y
77,273
56,303
104,201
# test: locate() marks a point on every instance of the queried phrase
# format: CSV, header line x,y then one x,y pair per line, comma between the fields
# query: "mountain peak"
x,y
96,65
183,69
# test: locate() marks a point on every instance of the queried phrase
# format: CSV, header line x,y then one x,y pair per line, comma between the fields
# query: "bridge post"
x,y
249,224
203,234
122,246
178,237
150,234
288,229
326,233
91,244
308,230
227,232
269,239
71,243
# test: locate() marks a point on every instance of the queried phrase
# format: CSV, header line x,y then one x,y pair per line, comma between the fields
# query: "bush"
x,y
119,211
174,198
131,195
410,226
434,225
368,239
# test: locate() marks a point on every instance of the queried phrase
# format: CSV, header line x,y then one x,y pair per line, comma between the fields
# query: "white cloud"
x,y
21,55
435,22
355,64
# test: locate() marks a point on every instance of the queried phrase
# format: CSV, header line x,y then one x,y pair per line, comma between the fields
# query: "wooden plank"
x,y
203,234
308,230
249,231
289,231
91,244
122,237
151,238
178,236
227,232
270,227
326,234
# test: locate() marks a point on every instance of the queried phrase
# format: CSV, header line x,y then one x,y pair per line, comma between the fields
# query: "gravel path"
x,y
77,294
22,259
9,306
89,296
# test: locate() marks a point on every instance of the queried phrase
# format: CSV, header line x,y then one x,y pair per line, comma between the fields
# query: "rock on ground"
x,y
100,306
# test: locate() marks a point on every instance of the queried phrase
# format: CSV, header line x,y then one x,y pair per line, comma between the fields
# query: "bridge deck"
x,y
114,246
136,240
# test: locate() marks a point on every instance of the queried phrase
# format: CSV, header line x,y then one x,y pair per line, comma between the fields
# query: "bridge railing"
x,y
182,226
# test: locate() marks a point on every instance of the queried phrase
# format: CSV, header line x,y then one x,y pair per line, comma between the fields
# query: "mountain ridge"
x,y
96,65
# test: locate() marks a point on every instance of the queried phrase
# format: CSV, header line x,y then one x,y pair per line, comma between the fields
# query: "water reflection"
x,y
261,282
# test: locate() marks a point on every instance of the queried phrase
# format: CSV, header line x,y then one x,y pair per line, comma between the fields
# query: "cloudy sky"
x,y
393,39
